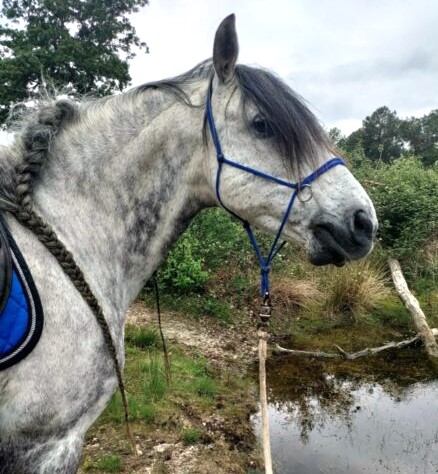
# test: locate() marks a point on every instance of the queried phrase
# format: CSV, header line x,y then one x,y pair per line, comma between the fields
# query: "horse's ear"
x,y
226,49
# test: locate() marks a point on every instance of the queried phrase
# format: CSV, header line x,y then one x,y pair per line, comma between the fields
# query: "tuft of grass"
x,y
143,338
206,387
140,409
154,381
290,293
356,289
109,463
191,436
217,308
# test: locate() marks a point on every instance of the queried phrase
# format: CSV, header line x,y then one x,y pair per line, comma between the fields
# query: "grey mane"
x,y
295,130
35,131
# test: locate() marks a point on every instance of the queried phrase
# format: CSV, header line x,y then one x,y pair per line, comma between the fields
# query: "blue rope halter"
x,y
265,263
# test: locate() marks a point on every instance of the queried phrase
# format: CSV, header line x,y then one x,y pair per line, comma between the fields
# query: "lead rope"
x,y
35,153
163,340
263,336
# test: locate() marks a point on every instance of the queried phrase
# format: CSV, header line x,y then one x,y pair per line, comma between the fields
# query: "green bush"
x,y
405,194
182,269
212,240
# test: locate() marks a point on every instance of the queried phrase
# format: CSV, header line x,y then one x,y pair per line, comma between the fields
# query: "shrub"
x,y
182,269
405,195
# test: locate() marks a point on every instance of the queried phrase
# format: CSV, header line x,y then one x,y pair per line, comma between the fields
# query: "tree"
x,y
336,136
81,46
422,136
381,135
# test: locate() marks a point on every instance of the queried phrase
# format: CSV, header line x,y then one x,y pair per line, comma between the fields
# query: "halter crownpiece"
x,y
299,191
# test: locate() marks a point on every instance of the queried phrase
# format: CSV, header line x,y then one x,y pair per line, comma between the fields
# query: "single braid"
x,y
36,143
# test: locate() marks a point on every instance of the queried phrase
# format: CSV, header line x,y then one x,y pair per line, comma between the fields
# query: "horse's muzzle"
x,y
338,243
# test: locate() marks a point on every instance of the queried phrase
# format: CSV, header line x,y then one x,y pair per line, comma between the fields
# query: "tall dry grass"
x,y
355,289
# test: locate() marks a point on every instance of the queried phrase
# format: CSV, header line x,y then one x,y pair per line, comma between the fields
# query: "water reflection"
x,y
376,416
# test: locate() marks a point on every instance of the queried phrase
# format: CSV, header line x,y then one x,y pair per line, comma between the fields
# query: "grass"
x,y
191,436
110,463
355,290
154,379
206,387
141,337
162,412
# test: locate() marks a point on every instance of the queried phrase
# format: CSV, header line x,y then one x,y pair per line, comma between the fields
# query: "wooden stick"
x,y
343,355
263,338
412,305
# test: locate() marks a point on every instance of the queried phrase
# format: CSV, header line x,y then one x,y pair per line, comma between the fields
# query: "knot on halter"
x,y
264,280
265,268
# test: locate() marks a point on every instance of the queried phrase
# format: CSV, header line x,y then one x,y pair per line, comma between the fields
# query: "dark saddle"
x,y
21,314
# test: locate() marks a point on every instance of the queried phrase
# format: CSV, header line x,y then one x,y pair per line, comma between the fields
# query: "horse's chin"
x,y
326,256
326,250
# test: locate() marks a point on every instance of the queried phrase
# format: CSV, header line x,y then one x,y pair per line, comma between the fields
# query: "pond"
x,y
376,415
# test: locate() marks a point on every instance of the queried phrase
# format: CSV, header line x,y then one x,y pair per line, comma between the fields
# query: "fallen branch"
x,y
343,355
413,306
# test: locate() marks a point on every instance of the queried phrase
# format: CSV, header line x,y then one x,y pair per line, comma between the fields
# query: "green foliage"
x,y
381,135
385,137
212,241
222,240
79,46
422,136
405,194
183,268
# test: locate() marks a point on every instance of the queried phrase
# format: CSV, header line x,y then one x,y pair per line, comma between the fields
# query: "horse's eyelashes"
x,y
262,127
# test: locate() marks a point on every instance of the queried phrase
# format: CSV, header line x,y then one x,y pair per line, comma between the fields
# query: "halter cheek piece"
x,y
301,191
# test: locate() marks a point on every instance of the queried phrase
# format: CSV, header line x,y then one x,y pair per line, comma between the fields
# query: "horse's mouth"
x,y
326,249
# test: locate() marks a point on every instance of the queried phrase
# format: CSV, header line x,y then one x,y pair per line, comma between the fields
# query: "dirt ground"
x,y
231,446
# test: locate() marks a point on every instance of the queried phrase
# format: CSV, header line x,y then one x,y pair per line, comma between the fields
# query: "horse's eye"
x,y
262,127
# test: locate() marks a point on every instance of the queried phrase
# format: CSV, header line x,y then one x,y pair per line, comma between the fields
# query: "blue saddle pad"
x,y
21,320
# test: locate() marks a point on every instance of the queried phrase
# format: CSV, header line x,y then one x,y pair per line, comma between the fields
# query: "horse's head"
x,y
263,125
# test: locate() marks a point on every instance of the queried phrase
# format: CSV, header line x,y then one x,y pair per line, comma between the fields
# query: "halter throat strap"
x,y
264,262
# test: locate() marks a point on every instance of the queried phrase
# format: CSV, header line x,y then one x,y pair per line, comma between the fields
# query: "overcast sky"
x,y
346,57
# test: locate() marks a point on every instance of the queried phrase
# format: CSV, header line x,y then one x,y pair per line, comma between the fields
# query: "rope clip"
x,y
265,311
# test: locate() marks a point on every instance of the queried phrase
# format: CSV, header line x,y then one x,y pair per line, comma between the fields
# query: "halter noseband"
x,y
265,263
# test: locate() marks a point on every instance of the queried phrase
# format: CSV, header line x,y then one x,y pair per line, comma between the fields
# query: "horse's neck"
x,y
120,189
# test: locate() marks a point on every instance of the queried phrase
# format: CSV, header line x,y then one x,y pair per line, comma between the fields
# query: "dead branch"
x,y
412,305
343,355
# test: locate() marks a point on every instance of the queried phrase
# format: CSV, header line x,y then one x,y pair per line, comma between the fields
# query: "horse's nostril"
x,y
362,225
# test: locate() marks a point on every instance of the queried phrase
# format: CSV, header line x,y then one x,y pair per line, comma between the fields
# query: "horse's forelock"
x,y
296,131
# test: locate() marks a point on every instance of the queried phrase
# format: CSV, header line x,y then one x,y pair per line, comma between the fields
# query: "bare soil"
x,y
228,445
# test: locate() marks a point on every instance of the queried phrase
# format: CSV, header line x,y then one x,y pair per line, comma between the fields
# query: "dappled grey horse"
x,y
123,178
